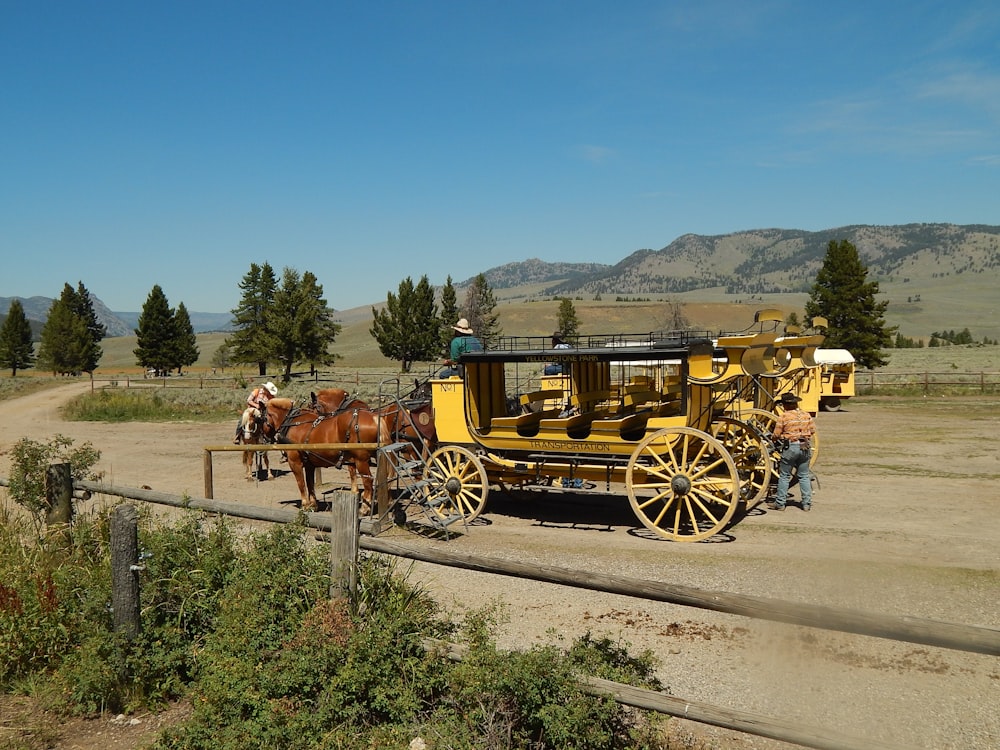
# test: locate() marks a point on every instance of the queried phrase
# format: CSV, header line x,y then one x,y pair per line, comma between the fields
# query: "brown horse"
x,y
407,420
353,424
252,433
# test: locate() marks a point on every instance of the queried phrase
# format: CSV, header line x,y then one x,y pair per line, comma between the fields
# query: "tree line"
x,y
286,321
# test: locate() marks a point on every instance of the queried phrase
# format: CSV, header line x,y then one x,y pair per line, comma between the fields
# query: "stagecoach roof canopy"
x,y
833,357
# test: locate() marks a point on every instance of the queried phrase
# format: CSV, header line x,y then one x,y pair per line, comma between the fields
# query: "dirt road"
x,y
905,522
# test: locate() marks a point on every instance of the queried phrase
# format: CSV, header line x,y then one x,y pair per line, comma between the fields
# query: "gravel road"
x,y
904,523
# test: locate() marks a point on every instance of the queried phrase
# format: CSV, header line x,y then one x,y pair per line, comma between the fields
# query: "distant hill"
x,y
36,310
936,276
768,261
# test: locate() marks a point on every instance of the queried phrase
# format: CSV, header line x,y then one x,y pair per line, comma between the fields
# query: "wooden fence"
x,y
870,382
347,537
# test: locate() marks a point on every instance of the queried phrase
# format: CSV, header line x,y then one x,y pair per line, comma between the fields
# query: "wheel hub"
x,y
680,485
453,486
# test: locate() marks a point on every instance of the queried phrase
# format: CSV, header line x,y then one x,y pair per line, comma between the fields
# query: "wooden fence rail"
x,y
349,536
871,381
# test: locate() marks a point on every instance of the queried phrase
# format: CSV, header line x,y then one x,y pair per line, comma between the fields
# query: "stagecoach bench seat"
x,y
535,401
629,426
525,424
587,408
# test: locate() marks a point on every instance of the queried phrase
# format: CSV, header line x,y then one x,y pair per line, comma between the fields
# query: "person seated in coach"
x,y
462,341
556,368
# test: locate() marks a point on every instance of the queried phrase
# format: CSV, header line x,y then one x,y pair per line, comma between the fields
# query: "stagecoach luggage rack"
x,y
657,339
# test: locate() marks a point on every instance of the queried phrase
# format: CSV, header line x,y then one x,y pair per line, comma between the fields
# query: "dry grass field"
x,y
356,348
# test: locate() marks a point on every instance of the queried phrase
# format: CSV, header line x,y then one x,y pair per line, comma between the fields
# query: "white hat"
x,y
271,388
462,326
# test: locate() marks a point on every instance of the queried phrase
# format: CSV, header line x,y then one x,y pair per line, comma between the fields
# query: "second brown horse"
x,y
354,423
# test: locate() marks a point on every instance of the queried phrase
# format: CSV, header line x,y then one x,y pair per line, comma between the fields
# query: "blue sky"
x,y
175,143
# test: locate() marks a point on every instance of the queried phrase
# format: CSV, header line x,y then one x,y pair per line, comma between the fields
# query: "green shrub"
x,y
243,625
30,460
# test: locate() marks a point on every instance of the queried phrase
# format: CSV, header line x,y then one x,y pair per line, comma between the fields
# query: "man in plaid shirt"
x,y
797,427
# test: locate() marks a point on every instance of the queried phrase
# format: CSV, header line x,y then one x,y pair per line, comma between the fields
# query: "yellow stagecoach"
x,y
635,414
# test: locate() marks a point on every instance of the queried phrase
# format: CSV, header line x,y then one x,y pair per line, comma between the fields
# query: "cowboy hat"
x,y
271,388
789,398
462,326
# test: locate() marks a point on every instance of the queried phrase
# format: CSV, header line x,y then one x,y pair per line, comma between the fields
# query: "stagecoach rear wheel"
x,y
751,454
682,484
456,485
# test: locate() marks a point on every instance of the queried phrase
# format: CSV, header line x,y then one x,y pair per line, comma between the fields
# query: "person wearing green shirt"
x,y
462,341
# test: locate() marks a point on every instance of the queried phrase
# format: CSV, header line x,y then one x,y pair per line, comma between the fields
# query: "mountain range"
x,y
957,265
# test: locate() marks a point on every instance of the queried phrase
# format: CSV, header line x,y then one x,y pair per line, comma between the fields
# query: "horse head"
x,y
273,416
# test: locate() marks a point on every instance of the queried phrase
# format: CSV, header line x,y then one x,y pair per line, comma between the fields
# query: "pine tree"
x,y
65,346
16,349
71,346
252,342
843,296
567,322
156,333
300,322
479,309
408,328
82,305
449,312
317,329
185,343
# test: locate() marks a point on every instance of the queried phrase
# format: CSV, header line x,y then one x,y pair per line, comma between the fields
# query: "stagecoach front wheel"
x,y
751,454
682,484
456,486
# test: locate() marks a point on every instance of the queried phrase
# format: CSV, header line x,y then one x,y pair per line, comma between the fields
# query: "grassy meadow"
x,y
356,350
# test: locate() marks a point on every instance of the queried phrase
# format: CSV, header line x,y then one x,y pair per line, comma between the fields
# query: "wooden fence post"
x,y
59,494
344,545
125,570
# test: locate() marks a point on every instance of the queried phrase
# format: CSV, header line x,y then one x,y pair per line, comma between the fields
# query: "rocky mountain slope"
x,y
769,261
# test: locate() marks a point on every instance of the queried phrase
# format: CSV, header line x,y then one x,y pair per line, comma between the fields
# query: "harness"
x,y
297,417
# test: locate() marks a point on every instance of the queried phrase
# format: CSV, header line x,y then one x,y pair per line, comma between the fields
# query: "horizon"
x,y
176,145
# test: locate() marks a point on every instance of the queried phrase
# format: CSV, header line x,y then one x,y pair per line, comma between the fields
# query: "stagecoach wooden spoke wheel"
x,y
456,484
751,454
682,484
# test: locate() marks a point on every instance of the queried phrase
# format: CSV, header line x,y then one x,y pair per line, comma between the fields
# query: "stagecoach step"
x,y
395,447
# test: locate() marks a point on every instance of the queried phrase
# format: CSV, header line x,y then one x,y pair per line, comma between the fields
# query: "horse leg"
x,y
310,503
299,472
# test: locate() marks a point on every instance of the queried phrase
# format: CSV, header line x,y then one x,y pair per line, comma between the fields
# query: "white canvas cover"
x,y
833,357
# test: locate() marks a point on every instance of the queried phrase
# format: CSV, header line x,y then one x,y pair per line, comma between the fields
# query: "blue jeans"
x,y
795,456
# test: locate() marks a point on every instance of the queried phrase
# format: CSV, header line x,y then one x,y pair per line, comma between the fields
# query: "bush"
x,y
243,625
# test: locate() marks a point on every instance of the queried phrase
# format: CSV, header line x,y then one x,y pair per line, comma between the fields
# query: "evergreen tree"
x,y
566,321
16,349
449,312
300,322
156,334
479,309
408,328
185,343
317,329
252,342
82,305
843,296
65,346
